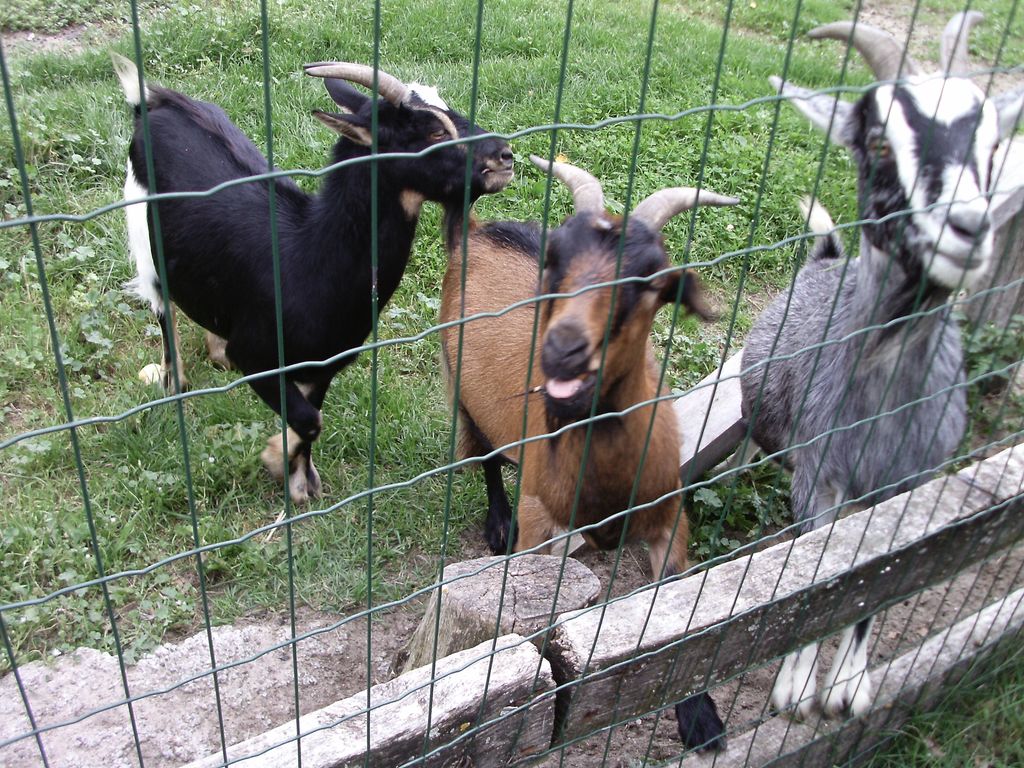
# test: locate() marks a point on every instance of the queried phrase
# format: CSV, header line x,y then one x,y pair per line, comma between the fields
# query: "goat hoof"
x,y
152,374
303,480
217,351
700,727
498,538
171,389
298,489
852,695
313,486
795,683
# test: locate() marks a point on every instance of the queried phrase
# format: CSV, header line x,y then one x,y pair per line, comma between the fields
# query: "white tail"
x,y
128,75
817,218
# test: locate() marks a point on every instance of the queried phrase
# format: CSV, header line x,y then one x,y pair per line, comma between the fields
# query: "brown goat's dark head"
x,y
591,249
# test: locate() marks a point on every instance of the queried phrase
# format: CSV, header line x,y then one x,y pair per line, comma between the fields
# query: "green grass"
x,y
74,128
54,15
976,723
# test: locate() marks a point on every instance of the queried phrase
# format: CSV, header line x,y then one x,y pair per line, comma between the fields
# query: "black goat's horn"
x,y
388,86
587,196
880,50
954,42
658,208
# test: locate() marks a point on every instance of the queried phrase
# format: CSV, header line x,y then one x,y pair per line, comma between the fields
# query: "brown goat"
x,y
631,456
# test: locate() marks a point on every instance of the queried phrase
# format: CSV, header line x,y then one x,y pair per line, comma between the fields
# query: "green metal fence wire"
x,y
730,480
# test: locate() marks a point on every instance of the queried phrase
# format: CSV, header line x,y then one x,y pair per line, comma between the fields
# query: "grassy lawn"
x,y
131,477
74,129
979,723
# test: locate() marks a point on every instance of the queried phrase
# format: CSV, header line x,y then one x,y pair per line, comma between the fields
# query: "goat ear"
x,y
1009,106
348,126
345,94
829,114
686,286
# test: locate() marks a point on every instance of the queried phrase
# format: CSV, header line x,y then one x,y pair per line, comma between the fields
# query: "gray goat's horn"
x,y
953,48
587,196
388,86
881,50
658,208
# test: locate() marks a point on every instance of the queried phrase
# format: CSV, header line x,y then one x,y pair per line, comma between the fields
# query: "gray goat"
x,y
874,335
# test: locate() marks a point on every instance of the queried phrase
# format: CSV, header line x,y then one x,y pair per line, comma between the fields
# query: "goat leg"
x,y
534,524
172,384
700,726
667,540
217,350
304,423
498,528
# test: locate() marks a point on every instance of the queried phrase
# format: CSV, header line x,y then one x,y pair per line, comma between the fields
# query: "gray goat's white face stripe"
x,y
942,133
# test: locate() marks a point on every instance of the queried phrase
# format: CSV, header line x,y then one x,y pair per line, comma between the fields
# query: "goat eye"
x,y
439,135
881,149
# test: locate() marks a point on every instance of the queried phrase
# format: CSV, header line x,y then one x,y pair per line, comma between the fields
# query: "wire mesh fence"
x,y
768,425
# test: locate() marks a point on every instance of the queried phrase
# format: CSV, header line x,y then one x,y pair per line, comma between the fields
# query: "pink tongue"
x,y
560,389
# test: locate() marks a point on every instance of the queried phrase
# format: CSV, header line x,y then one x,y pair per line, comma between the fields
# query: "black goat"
x,y
218,249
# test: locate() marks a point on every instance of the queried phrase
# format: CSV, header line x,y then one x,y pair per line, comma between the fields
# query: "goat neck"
x,y
344,220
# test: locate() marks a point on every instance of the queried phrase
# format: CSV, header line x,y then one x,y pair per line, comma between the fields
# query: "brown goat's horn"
x,y
954,42
388,86
587,196
880,50
658,208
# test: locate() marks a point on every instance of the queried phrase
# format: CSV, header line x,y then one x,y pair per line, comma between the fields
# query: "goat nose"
x,y
565,351
507,157
969,221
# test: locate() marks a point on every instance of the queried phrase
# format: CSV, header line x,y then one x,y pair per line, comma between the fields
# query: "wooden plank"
x,y
914,681
473,687
705,628
717,399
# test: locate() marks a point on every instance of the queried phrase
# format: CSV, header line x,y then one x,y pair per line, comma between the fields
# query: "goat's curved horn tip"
x,y
656,209
540,162
713,198
587,195
318,68
953,45
883,53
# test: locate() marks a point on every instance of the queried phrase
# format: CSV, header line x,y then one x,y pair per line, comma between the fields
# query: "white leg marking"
x,y
303,479
848,684
795,683
144,284
273,454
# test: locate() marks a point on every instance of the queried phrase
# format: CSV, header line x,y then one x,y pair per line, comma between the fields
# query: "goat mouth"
x,y
496,179
570,397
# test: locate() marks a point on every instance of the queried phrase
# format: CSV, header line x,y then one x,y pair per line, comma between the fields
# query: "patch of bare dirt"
x,y
70,40
923,43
